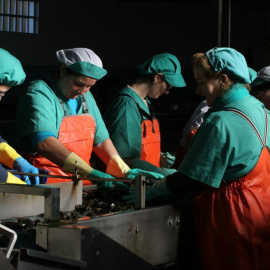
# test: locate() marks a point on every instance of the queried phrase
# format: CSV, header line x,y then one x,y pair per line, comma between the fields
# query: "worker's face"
x,y
3,90
264,97
72,86
159,87
210,89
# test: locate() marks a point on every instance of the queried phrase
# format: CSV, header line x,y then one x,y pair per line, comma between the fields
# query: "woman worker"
x,y
130,119
227,167
194,123
59,123
12,74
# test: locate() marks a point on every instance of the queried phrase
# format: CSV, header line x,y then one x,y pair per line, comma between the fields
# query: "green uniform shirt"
x,y
123,121
225,147
39,109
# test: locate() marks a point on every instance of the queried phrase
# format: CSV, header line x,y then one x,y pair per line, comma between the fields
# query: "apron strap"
x,y
243,115
62,105
84,105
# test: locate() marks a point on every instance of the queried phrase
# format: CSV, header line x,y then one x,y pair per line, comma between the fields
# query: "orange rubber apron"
x,y
150,150
76,133
233,222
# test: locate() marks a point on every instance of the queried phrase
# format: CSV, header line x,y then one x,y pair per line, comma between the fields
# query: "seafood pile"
x,y
102,201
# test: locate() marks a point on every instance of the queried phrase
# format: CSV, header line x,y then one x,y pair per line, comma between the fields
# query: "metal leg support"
x,y
140,184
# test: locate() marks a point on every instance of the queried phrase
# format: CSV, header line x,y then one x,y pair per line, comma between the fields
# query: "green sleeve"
x,y
38,110
123,121
101,133
207,157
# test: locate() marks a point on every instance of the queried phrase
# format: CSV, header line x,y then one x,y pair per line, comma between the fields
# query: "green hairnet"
x,y
164,63
11,70
230,62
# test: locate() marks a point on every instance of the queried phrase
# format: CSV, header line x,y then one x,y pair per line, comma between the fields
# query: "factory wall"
x,y
124,33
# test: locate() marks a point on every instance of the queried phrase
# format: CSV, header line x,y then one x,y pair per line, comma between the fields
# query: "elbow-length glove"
x,y
10,158
118,168
86,170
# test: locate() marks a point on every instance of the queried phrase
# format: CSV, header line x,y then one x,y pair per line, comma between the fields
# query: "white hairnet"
x,y
72,56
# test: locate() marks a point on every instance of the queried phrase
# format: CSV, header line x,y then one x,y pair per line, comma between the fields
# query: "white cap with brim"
x,y
262,76
82,60
164,63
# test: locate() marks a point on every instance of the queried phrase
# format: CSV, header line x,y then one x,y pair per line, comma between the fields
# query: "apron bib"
x,y
76,133
233,222
150,150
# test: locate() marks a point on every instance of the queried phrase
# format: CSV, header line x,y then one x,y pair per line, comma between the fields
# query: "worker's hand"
x,y
24,166
133,173
167,171
166,160
158,190
99,174
106,184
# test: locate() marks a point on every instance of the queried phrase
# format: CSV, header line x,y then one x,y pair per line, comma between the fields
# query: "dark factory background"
x,y
124,33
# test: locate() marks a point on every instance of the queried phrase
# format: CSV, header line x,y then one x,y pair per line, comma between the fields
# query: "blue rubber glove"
x,y
157,190
22,165
133,173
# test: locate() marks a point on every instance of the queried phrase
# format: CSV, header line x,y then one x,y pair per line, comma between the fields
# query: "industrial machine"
x,y
138,238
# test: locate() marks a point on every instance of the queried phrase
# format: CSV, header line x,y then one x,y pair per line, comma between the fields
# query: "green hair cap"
x,y
11,70
164,63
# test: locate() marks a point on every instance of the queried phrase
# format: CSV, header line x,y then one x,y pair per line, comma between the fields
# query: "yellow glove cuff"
x,y
11,179
84,169
7,155
117,167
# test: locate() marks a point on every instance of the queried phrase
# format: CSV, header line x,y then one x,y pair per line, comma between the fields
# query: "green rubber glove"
x,y
105,184
158,190
168,159
144,165
133,173
167,171
99,174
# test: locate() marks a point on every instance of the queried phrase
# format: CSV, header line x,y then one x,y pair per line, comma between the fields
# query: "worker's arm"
x,y
54,150
176,184
145,165
116,165
105,150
